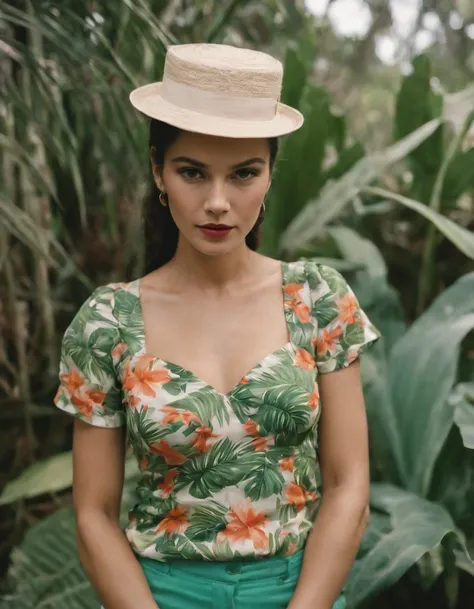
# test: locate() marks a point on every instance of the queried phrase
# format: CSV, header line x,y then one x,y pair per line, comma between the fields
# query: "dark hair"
x,y
160,230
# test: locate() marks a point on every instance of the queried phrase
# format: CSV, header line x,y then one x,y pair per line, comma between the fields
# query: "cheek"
x,y
253,195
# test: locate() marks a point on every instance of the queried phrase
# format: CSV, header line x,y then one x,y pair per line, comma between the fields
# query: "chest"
x,y
219,341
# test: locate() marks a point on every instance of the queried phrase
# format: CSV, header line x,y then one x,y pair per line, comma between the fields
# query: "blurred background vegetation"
x,y
379,183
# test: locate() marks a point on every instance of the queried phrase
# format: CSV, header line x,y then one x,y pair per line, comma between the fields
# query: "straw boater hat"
x,y
219,90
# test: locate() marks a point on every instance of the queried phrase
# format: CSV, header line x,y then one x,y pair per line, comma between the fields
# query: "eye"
x,y
190,173
246,174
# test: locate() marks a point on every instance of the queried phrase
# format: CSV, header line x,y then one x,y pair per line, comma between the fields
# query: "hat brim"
x,y
148,100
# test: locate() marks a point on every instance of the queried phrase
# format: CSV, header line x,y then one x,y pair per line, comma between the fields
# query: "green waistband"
x,y
244,570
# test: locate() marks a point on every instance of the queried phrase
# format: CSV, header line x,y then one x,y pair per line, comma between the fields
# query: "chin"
x,y
213,249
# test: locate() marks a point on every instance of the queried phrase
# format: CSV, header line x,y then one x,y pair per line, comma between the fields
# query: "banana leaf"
x,y
50,476
311,222
429,350
402,529
462,400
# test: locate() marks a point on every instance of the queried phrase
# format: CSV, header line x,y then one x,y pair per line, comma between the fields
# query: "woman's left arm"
x,y
343,515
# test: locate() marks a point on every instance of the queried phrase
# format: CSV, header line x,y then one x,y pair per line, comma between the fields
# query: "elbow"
x,y
91,521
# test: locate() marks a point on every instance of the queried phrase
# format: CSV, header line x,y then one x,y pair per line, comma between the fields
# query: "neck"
x,y
216,272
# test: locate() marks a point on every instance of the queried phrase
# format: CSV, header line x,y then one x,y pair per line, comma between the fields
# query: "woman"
x,y
215,363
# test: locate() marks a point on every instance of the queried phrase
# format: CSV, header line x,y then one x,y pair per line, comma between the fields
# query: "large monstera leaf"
x,y
403,528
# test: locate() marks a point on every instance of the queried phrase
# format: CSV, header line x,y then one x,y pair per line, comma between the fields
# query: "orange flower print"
x,y
170,455
174,522
293,290
327,341
141,380
251,428
304,360
173,415
313,401
348,307
244,380
166,487
292,548
259,443
296,495
85,401
144,464
133,401
72,381
299,496
118,351
245,523
204,434
300,309
286,464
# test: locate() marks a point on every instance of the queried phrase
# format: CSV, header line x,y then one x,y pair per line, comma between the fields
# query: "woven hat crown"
x,y
224,69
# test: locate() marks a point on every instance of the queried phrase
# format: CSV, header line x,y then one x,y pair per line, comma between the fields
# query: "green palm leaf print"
x,y
206,404
206,521
213,470
264,476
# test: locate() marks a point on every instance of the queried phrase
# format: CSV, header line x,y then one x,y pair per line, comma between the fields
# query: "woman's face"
x,y
216,180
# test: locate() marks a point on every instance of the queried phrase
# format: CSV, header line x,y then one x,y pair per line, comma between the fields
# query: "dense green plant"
x,y
69,69
337,177
418,416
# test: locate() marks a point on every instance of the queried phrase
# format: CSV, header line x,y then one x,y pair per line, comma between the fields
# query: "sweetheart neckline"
x,y
195,377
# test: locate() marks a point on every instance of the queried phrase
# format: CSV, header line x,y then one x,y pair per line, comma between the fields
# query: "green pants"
x,y
260,584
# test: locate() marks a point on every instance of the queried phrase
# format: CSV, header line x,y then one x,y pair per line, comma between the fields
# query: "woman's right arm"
x,y
104,551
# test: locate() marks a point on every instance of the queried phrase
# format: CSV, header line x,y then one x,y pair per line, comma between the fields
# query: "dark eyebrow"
x,y
255,159
186,159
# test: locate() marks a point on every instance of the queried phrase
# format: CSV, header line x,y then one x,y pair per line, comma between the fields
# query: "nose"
x,y
217,201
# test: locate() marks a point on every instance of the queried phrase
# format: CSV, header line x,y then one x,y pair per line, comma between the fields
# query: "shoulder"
x,y
104,308
322,279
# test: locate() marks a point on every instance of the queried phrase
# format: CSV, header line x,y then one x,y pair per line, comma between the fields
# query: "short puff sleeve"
x,y
342,329
88,385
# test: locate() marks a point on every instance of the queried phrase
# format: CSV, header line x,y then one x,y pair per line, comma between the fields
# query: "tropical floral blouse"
x,y
224,476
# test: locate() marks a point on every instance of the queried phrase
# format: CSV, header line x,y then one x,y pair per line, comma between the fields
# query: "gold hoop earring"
x,y
162,199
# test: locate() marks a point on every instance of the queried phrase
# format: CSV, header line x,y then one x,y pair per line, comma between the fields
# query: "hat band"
x,y
214,104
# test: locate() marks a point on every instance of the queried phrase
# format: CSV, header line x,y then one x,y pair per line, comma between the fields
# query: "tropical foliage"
x,y
73,166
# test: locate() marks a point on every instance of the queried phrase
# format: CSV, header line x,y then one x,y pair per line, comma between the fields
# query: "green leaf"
x,y
294,78
265,478
383,306
50,476
347,158
213,470
416,105
357,249
206,404
313,219
284,408
416,527
45,570
206,521
462,238
462,400
383,424
459,176
430,349
453,481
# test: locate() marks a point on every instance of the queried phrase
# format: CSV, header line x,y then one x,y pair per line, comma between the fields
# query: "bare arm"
x,y
340,523
105,554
